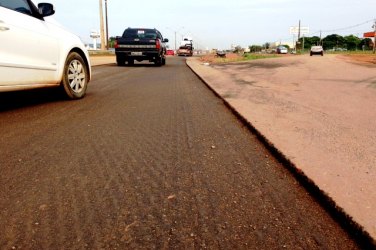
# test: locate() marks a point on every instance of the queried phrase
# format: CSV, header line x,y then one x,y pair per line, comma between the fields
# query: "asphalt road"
x,y
150,158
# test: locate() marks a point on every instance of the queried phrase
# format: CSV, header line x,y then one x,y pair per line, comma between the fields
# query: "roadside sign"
x,y
295,30
94,34
369,34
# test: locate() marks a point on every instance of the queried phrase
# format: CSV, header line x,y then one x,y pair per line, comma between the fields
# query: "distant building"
x,y
276,44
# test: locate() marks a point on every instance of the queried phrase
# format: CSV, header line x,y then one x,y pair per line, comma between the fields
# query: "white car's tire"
x,y
75,76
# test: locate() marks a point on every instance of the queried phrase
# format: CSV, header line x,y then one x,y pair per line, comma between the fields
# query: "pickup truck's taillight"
x,y
157,43
116,45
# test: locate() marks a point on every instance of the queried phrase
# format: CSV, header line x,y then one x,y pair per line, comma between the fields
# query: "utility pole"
x,y
320,39
101,25
175,41
299,31
175,32
374,37
298,42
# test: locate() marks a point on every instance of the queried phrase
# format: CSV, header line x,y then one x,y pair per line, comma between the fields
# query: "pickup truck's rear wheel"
x,y
130,62
158,61
75,76
120,60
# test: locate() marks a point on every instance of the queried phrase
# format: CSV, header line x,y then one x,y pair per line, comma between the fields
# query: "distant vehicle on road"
x,y
186,47
221,53
282,50
187,41
36,53
170,52
140,44
317,50
340,49
185,50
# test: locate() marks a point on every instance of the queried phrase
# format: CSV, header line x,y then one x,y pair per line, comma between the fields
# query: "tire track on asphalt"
x,y
104,187
203,208
134,174
157,166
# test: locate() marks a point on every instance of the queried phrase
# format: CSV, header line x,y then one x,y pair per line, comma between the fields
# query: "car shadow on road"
x,y
138,65
20,99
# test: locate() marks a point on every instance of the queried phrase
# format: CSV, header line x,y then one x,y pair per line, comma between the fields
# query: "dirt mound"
x,y
213,58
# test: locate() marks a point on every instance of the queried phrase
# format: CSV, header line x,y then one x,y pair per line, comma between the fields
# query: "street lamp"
x,y
101,24
175,31
105,7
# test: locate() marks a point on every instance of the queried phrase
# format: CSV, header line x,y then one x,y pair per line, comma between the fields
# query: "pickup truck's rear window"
x,y
140,33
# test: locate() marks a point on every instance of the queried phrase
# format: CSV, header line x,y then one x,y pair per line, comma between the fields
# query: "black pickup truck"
x,y
140,44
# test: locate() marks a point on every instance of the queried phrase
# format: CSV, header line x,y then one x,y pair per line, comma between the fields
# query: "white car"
x,y
316,50
282,50
35,53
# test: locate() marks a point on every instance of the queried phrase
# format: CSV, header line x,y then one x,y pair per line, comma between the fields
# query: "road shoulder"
x,y
349,181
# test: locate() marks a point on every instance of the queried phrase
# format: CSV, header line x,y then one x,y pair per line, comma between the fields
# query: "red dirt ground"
x,y
368,58
232,57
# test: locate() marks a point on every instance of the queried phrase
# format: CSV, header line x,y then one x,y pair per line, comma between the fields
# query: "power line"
x,y
357,32
345,28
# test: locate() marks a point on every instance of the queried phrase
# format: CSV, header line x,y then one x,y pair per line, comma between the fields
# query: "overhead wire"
x,y
345,28
335,30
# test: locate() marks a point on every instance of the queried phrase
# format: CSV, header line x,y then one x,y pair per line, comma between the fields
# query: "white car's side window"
x,y
17,5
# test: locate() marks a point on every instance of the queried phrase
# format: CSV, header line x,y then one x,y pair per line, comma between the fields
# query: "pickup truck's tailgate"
x,y
136,45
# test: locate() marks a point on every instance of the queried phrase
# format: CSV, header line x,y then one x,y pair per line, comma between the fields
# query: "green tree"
x,y
255,48
334,41
352,42
238,49
111,42
311,41
367,43
266,45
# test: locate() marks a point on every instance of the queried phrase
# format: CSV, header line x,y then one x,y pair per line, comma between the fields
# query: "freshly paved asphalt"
x,y
294,82
150,158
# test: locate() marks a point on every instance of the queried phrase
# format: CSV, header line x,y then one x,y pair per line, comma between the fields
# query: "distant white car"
x,y
317,50
282,50
35,53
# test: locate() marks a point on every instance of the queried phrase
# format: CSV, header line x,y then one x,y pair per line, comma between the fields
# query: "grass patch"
x,y
348,52
240,58
248,57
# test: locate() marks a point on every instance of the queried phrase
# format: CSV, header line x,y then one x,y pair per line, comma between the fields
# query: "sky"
x,y
219,23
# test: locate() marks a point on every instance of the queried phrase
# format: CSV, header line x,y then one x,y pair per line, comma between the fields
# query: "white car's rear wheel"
x,y
75,76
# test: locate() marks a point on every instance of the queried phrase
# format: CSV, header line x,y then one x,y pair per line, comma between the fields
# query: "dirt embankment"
x,y
361,58
233,57
213,58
